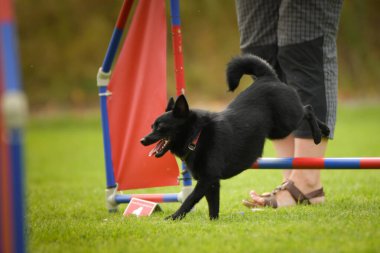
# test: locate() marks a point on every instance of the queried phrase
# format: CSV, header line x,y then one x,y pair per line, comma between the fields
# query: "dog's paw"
x,y
170,217
317,138
325,130
175,216
215,217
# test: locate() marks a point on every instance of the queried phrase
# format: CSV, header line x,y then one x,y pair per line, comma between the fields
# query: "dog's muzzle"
x,y
160,149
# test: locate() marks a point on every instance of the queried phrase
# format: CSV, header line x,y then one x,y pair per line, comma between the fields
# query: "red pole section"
x,y
6,12
123,15
178,60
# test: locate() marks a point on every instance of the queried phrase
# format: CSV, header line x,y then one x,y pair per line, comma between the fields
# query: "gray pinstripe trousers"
x,y
298,37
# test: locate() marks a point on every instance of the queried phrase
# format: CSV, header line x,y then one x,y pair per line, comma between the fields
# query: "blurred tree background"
x,y
62,45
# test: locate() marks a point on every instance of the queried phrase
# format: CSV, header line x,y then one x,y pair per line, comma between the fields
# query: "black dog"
x,y
220,145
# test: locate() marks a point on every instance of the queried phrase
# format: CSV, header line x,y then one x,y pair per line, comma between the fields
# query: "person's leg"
x,y
258,21
310,178
307,57
285,148
305,180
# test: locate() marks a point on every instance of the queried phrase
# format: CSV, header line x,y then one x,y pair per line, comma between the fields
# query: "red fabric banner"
x,y
138,87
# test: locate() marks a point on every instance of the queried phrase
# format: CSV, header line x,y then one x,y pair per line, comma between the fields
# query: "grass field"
x,y
66,206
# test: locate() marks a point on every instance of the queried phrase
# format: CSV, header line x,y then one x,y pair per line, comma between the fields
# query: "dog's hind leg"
x,y
324,128
212,197
197,194
313,123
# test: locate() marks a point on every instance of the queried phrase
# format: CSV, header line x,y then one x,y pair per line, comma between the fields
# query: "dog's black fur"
x,y
230,141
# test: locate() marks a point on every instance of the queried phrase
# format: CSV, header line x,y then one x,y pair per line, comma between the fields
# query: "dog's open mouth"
x,y
160,149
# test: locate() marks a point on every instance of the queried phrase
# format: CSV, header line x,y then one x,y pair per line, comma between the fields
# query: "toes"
x,y
253,194
248,203
258,200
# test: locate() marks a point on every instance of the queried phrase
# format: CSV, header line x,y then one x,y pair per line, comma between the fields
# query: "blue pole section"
x,y
18,188
103,79
175,13
112,48
11,61
110,177
275,163
15,110
347,163
187,181
159,198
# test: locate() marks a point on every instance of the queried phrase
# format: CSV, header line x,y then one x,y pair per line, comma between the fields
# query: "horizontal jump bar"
x,y
158,198
318,163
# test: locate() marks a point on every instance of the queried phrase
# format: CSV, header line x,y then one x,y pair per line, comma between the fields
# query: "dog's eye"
x,y
161,127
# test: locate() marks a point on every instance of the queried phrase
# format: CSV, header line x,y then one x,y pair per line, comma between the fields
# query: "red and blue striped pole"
x,y
179,66
177,47
318,163
14,105
102,82
346,163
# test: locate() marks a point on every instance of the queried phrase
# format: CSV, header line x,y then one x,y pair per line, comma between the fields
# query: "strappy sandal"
x,y
300,198
268,194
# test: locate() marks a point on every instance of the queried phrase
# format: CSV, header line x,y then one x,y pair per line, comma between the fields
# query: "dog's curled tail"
x,y
248,64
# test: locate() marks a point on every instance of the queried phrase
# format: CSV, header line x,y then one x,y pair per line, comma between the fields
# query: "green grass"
x,y
66,206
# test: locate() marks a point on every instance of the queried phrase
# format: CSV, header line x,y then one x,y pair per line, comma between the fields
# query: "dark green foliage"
x,y
63,44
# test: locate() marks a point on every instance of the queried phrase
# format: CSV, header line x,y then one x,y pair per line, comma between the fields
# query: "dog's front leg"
x,y
212,196
197,194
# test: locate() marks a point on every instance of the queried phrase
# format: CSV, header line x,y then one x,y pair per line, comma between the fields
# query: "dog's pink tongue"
x,y
156,148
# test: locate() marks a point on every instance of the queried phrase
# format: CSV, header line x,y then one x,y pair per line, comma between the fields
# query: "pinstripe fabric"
x,y
257,22
287,22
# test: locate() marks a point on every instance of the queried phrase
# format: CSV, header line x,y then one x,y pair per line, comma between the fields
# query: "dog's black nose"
x,y
143,141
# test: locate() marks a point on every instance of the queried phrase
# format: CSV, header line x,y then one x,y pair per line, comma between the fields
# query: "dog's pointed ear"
x,y
181,107
170,105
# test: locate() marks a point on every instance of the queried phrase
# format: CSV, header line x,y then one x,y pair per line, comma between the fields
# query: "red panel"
x,y
5,11
308,162
370,163
138,87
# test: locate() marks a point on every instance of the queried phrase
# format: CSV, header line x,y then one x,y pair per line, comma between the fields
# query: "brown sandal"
x,y
268,194
300,198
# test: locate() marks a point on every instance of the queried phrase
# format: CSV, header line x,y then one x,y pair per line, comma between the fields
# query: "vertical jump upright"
x,y
179,67
14,112
103,79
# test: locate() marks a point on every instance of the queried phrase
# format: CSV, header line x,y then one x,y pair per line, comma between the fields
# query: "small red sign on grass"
x,y
140,207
